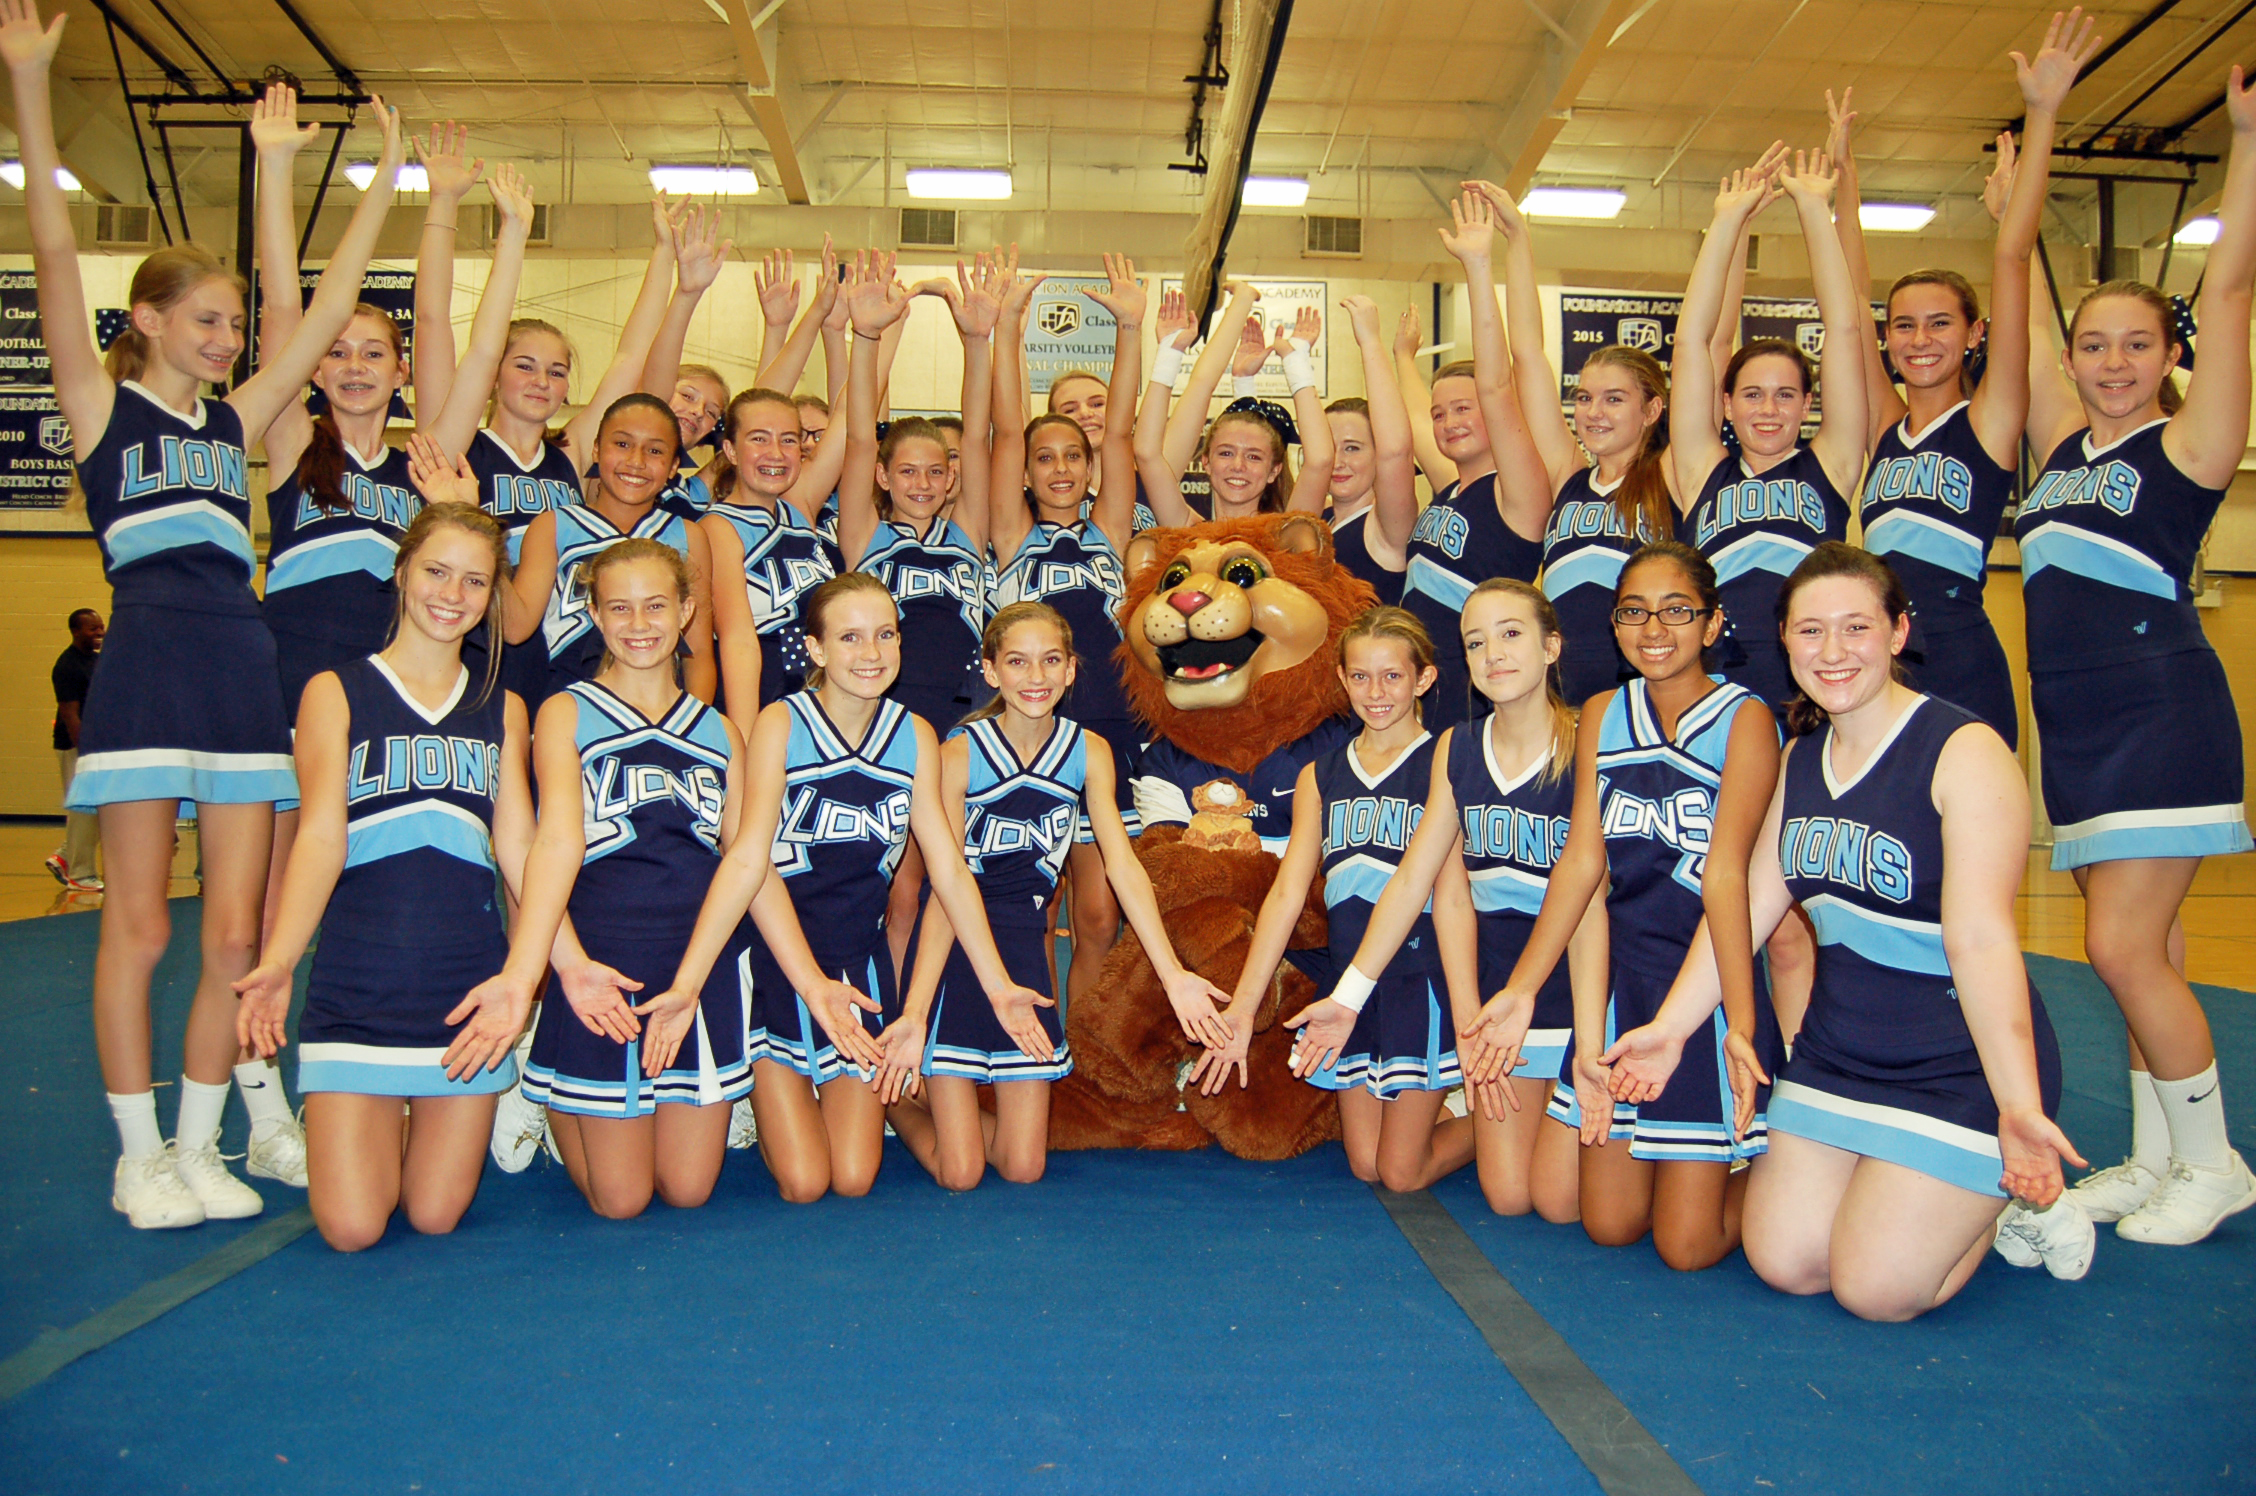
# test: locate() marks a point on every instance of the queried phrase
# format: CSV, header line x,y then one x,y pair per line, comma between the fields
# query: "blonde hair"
x,y
998,628
1647,511
519,329
1277,497
626,553
162,282
812,613
1563,714
1388,622
2171,398
475,521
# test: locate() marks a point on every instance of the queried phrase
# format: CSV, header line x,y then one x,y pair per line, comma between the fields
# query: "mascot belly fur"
x,y
1231,632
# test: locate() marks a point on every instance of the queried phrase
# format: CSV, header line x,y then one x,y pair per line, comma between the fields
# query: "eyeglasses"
x,y
1675,615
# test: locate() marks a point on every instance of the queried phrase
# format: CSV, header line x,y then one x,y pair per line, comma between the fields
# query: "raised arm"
x,y
1163,485
1883,406
781,369
624,374
1418,399
1534,379
875,303
1394,488
975,307
450,179
277,139
1523,488
1313,483
1841,444
2054,408
1695,439
699,254
836,333
2207,438
454,421
775,280
1114,509
1186,424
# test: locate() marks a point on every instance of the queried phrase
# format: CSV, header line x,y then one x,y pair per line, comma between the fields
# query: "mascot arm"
x,y
1280,911
1160,802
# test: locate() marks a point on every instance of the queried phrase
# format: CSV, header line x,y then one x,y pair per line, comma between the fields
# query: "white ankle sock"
x,y
2196,1110
260,1081
136,1117
2150,1128
201,1108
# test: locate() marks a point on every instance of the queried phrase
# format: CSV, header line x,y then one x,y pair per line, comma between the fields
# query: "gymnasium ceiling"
x,y
1383,104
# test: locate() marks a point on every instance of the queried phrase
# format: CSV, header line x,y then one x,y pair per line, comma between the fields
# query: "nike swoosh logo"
x,y
1280,794
2204,1096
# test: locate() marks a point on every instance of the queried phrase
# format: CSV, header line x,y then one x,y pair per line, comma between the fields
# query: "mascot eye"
x,y
1243,571
1174,576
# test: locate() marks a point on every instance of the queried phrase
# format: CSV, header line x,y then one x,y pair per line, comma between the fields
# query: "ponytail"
x,y
1643,503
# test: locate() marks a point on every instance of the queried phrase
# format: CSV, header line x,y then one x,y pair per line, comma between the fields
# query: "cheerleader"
x,y
1754,513
1016,778
1390,1053
698,394
2142,769
412,776
840,775
1924,1083
187,704
1055,541
1498,810
1947,451
1672,774
1374,489
1488,521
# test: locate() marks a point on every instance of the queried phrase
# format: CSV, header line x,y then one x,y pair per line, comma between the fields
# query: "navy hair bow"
x,y
1276,415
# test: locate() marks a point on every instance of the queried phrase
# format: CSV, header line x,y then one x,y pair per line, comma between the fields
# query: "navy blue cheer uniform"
x,y
784,560
1755,528
1166,776
415,920
940,585
1351,548
1885,1065
2141,739
187,704
1515,829
1404,1039
839,837
1657,798
330,596
651,797
575,644
1074,569
1585,547
1932,502
516,495
1019,823
1461,541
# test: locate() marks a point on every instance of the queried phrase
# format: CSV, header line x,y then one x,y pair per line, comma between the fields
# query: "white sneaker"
x,y
2061,1238
278,1152
151,1194
744,1132
518,1127
2190,1204
225,1197
2112,1193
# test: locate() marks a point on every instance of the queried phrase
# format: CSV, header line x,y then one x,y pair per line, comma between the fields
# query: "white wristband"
x,y
1167,365
1353,990
1245,386
1300,369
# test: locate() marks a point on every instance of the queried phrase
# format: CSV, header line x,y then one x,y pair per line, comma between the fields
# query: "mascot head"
x,y
1231,632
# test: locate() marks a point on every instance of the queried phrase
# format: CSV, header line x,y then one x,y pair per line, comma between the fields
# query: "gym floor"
x,y
1135,1322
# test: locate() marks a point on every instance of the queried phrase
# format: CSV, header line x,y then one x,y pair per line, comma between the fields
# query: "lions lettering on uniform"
x,y
1510,832
1754,500
1443,528
1847,853
785,582
615,789
809,819
2113,484
959,580
183,462
1582,518
1099,573
1933,477
510,494
990,835
1681,821
386,503
425,761
1373,821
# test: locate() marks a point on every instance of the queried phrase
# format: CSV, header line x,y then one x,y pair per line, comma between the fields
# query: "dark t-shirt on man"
x,y
73,671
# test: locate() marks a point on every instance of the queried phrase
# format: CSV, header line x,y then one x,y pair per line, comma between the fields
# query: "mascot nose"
x,y
1187,603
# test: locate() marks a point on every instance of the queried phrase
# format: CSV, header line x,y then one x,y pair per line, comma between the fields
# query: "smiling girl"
x,y
1374,488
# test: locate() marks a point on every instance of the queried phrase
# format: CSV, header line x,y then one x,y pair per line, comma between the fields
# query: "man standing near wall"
x,y
73,864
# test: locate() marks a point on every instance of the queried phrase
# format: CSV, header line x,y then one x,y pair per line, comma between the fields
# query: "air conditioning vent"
x,y
540,232
928,228
122,223
1334,238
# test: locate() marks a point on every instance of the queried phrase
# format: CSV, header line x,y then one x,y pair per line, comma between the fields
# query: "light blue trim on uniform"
x,y
1907,532
333,556
426,825
1592,565
1941,1150
1502,890
1884,940
1388,1076
1361,876
136,537
1424,575
993,1066
373,1070
1761,551
2099,557
2190,831
1543,1055
181,774
812,1054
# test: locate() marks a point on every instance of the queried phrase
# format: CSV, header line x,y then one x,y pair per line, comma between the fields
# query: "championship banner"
x,y
1280,303
35,451
1067,331
23,352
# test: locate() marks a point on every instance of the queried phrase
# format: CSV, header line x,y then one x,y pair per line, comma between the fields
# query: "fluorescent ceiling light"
x,y
1573,202
12,173
411,178
955,182
706,181
1274,192
2199,231
1895,218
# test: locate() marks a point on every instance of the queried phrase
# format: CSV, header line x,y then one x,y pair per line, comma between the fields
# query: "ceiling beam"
x,y
1571,48
754,32
1253,64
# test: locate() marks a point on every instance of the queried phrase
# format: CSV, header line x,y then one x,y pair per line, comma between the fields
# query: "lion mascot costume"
x,y
1230,643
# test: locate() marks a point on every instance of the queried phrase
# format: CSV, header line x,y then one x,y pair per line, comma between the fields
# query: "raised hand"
x,y
776,280
395,141
1252,350
826,284
1325,1028
492,1016
1198,1003
274,123
699,249
833,1005
263,1006
874,300
24,43
666,1018
1744,193
2070,42
1174,325
597,996
512,195
1409,337
1307,327
439,478
2238,102
977,302
1471,236
441,153
1124,296
1811,179
662,215
1840,123
1362,317
1998,186
2032,1147
1017,289
1212,1071
1501,205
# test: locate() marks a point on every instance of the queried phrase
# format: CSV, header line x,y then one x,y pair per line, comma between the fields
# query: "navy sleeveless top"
x,y
843,825
784,560
651,797
1755,528
1585,546
940,584
1073,568
1019,819
1932,502
170,506
1461,541
1368,821
1351,547
516,494
329,571
575,645
1515,830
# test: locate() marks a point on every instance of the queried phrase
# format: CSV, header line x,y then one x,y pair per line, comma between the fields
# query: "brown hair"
x,y
812,613
1837,558
1563,714
640,400
1768,348
626,553
701,371
1643,501
522,327
2172,399
1277,496
998,628
1388,622
724,466
470,518
905,428
1457,368
163,281
321,467
1351,405
810,402
1697,568
1969,306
